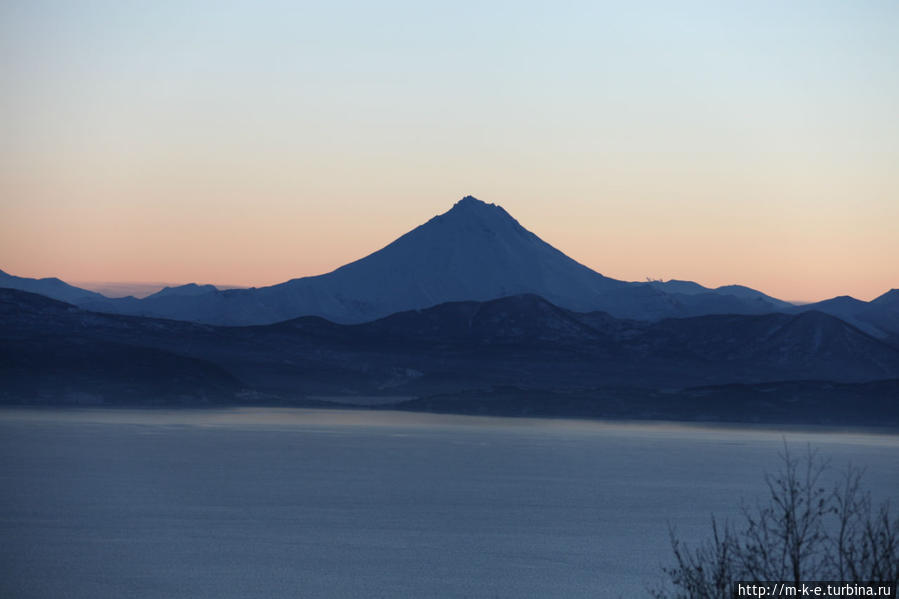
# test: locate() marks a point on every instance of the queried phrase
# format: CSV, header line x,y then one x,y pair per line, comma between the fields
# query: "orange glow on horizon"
x,y
259,249
751,143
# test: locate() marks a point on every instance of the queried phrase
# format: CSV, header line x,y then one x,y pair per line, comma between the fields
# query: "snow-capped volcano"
x,y
474,251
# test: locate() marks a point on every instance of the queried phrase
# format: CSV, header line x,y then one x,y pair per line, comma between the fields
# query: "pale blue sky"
x,y
252,142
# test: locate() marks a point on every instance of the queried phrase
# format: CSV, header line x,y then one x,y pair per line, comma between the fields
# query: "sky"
x,y
248,143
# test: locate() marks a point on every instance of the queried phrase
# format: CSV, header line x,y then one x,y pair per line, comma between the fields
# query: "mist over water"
x,y
288,502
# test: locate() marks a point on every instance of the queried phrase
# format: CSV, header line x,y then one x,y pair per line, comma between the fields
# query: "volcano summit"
x,y
473,252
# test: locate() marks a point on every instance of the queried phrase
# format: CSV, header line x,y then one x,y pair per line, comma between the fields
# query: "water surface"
x,y
319,503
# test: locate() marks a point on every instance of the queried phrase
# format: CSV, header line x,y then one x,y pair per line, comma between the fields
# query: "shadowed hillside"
x,y
55,352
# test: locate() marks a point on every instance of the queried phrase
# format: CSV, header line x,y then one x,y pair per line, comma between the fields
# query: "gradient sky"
x,y
250,143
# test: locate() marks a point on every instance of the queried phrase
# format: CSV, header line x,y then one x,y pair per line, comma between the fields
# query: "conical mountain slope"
x,y
473,252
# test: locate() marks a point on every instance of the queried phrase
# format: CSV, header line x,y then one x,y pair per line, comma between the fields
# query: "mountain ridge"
x,y
55,352
474,251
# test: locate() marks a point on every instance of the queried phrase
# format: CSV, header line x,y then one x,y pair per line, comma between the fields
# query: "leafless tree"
x,y
802,532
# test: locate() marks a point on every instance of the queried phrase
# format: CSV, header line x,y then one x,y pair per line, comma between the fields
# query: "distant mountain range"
x,y
879,317
51,287
460,356
469,312
473,252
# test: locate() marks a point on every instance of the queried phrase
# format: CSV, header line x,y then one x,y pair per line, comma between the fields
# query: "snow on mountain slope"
x,y
475,251
879,317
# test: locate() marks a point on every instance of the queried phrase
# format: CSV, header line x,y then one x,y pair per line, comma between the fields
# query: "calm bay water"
x,y
317,503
